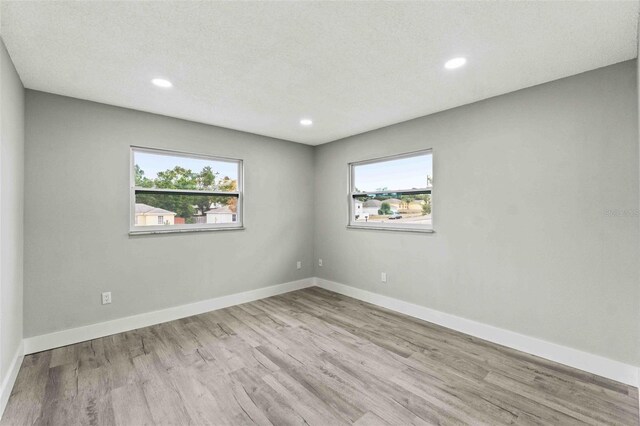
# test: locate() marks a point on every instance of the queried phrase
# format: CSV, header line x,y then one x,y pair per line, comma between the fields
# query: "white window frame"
x,y
196,227
388,226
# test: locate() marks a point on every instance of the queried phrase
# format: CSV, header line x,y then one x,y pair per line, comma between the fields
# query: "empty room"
x,y
319,213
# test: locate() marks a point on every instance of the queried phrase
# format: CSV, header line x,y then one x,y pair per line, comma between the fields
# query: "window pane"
x,y
407,209
157,170
172,210
403,173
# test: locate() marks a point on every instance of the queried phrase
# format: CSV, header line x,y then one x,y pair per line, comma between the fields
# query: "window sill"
x,y
182,231
394,229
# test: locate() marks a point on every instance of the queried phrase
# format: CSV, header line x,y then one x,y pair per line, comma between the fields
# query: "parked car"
x,y
395,216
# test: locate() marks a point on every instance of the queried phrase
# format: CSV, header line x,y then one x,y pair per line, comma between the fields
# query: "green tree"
x,y
226,184
206,179
426,207
406,200
180,178
385,208
176,178
141,179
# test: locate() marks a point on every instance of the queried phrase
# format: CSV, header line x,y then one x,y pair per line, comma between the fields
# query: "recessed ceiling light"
x,y
455,63
306,122
161,82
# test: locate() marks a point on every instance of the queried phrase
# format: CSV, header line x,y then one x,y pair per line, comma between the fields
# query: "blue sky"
x,y
154,163
404,173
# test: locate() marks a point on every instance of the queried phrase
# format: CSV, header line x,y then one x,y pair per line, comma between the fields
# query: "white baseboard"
x,y
10,379
591,363
605,367
94,331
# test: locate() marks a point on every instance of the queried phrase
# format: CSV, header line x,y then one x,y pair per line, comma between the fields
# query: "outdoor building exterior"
x,y
221,214
153,216
357,207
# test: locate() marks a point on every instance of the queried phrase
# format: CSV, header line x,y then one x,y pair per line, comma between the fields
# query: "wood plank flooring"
x,y
307,357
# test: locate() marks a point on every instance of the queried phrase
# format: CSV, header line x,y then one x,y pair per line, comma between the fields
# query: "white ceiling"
x,y
350,66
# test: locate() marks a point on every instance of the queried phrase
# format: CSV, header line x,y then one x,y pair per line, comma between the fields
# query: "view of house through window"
x,y
392,192
184,191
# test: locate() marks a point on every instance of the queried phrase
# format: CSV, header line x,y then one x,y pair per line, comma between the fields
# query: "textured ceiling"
x,y
350,66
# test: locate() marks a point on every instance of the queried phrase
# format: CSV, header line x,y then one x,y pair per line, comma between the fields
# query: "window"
x,y
392,193
176,192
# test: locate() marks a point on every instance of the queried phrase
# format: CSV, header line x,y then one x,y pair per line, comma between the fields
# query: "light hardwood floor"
x,y
307,357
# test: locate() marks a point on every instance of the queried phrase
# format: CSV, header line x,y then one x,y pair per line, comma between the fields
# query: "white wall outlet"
x,y
106,297
319,262
383,277
299,264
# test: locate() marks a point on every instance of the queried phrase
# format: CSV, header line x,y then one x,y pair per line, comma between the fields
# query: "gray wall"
x,y
77,216
523,241
11,209
522,183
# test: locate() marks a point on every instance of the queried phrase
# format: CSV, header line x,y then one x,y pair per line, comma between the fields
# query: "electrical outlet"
x,y
106,298
319,262
383,277
299,264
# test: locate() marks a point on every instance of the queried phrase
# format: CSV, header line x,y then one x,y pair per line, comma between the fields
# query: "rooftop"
x,y
145,209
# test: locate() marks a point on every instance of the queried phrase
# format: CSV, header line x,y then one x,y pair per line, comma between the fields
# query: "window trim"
x,y
164,229
397,227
